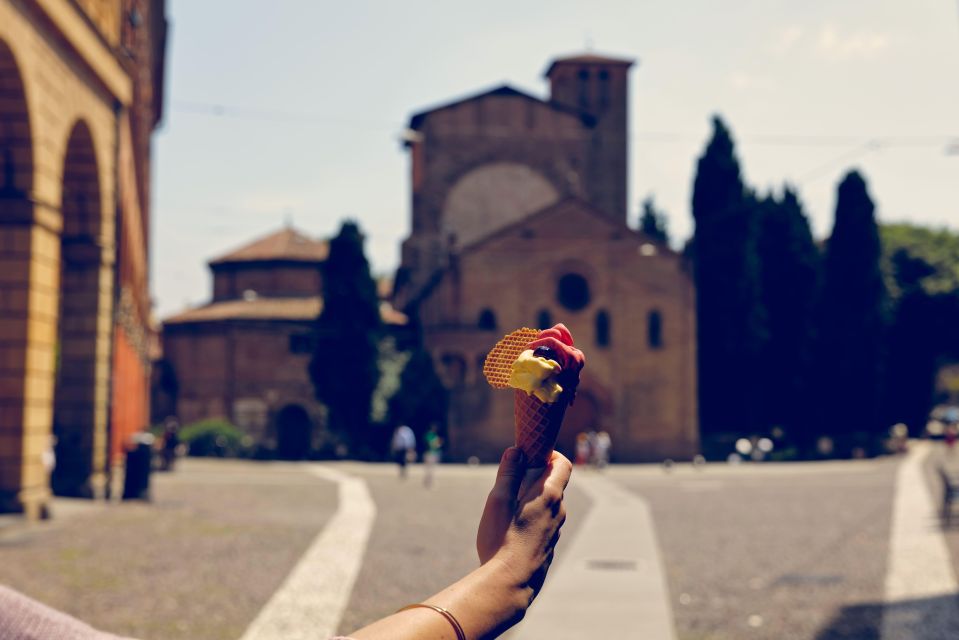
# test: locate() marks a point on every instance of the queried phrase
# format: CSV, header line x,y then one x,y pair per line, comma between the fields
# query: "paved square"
x,y
799,551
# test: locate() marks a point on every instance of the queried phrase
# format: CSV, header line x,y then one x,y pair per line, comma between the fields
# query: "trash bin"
x,y
136,480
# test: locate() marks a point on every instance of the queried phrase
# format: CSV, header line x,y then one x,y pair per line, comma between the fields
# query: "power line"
x,y
823,168
861,144
771,139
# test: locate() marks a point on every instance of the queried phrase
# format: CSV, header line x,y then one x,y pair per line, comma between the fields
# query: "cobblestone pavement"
x,y
199,562
756,551
773,551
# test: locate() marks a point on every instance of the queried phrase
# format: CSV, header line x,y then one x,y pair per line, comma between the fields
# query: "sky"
x,y
292,111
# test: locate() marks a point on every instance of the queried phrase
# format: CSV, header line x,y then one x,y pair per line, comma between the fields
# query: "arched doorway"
x,y
21,359
16,149
79,420
294,431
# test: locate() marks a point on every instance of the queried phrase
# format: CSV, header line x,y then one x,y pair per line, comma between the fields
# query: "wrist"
x,y
499,576
486,602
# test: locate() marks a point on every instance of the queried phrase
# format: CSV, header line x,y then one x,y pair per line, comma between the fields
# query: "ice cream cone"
x,y
536,423
537,426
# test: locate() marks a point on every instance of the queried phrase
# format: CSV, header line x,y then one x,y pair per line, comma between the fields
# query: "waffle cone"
x,y
537,426
499,362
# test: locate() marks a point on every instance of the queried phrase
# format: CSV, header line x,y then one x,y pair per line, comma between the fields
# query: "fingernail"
x,y
513,454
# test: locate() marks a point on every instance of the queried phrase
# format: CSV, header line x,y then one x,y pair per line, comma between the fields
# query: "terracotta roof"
x,y
588,58
617,225
301,309
416,121
285,244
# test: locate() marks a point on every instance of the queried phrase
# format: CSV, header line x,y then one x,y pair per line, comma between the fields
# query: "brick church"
x,y
243,356
519,218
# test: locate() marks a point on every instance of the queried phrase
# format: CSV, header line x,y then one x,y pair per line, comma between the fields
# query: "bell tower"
x,y
599,86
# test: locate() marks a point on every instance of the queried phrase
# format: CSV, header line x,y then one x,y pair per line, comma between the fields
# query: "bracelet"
x,y
460,634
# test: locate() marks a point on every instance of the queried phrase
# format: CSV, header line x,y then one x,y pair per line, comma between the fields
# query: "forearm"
x,y
486,603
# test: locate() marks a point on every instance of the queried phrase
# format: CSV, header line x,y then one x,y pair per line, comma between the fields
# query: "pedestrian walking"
x,y
603,444
591,442
582,449
403,447
171,440
434,451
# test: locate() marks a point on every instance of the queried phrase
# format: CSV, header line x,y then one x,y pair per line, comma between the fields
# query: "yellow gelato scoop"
x,y
536,376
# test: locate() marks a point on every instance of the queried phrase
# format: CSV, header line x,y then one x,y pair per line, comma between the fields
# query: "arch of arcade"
x,y
73,296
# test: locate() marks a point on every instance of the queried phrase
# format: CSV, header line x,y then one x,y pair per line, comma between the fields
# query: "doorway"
x,y
294,432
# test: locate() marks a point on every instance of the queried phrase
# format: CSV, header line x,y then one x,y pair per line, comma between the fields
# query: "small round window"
x,y
573,291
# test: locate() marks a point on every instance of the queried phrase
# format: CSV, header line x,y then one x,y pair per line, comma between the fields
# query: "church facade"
x,y
519,218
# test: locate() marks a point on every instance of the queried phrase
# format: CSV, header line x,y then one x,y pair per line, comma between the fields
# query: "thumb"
x,y
512,468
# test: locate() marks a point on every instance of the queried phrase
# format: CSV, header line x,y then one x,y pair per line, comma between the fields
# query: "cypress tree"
x,y
730,318
852,321
652,222
790,282
421,400
344,365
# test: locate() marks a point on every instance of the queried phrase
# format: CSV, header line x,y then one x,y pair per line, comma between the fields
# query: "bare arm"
x,y
520,526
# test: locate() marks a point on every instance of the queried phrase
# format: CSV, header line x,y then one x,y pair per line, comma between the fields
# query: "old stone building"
x,y
244,356
519,218
80,95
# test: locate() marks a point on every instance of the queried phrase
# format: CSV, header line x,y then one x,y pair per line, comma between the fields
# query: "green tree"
x,y
852,320
421,400
344,365
921,269
790,285
653,222
731,321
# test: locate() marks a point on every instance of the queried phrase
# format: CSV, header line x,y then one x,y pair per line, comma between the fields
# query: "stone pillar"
x,y
29,287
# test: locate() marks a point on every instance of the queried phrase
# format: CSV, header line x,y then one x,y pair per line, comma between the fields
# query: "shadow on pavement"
x,y
935,618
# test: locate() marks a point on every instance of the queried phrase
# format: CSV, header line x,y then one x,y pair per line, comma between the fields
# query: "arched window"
x,y
487,320
654,330
602,328
603,89
573,291
584,88
543,319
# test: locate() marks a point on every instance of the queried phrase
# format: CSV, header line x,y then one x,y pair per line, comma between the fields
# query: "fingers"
x,y
512,469
558,473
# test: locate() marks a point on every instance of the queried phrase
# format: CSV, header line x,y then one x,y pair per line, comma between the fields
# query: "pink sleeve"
x,y
22,618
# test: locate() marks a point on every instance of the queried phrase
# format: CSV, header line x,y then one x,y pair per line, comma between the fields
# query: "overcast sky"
x,y
293,108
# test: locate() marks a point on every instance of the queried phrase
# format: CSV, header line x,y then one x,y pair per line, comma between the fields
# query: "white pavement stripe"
x,y
921,590
310,603
609,583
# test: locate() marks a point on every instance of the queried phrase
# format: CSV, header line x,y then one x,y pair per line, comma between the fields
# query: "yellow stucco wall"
x,y
69,75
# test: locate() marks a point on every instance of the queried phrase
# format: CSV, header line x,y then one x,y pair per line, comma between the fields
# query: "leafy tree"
x,y
916,256
790,281
344,365
852,320
921,269
653,222
731,321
